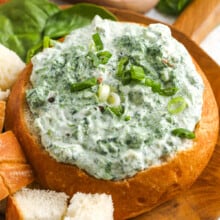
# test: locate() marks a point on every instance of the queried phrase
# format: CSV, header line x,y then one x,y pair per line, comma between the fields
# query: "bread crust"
x,y
131,196
15,173
2,114
12,211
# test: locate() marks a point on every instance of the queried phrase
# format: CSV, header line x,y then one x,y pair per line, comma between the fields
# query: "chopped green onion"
x,y
137,73
183,133
98,42
118,111
155,86
121,66
46,42
176,105
103,92
168,91
127,118
114,99
104,56
88,83
95,60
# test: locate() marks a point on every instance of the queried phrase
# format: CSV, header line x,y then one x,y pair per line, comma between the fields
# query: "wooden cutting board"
x,y
202,200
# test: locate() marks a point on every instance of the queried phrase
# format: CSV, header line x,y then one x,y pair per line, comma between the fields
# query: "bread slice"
x,y
90,206
10,149
35,204
15,173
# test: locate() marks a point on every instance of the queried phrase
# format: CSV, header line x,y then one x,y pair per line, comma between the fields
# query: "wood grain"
x,y
199,18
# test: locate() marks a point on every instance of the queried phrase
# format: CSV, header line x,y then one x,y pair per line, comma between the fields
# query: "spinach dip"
x,y
115,98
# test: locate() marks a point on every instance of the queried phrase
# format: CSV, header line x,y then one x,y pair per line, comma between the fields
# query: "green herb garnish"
x,y
118,111
156,87
88,83
122,66
137,73
98,42
176,105
127,118
183,133
168,91
104,56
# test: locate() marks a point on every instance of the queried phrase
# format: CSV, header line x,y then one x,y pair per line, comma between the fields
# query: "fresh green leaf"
x,y
79,15
97,41
88,83
22,23
173,7
46,42
32,51
183,133
176,105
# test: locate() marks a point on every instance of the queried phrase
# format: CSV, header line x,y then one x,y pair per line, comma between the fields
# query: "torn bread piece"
x,y
29,204
90,206
40,204
9,71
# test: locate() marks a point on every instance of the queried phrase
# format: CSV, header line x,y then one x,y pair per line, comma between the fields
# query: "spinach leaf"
x,y
172,7
22,23
79,15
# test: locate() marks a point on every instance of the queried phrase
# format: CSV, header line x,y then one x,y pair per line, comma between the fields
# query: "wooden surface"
x,y
199,18
202,200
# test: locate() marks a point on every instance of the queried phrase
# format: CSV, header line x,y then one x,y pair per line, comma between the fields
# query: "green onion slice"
x,y
176,105
104,56
88,83
170,91
118,111
183,133
98,42
137,73
121,66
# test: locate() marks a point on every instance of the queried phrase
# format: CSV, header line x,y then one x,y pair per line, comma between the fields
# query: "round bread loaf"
x,y
131,196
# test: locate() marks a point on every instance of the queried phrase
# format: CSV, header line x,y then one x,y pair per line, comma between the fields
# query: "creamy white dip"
x,y
115,138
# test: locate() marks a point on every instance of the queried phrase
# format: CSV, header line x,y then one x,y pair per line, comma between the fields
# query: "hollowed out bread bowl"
x,y
131,196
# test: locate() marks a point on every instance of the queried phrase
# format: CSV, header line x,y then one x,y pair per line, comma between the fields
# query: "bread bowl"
x,y
137,192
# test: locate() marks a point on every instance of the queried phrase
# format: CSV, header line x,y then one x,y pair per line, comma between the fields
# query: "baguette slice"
x,y
131,196
34,204
90,206
10,149
15,173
